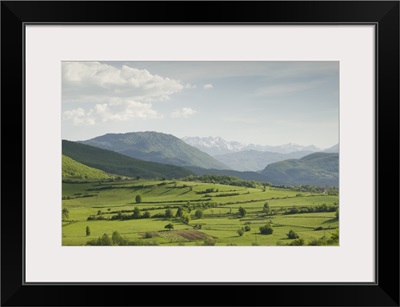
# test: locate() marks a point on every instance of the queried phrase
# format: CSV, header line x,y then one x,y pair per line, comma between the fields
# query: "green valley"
x,y
191,212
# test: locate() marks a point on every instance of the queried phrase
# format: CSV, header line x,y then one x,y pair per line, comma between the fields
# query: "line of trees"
x,y
311,209
223,179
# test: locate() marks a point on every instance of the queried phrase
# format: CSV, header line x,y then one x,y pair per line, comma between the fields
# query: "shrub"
x,y
318,242
242,211
292,234
297,242
266,230
247,228
179,212
148,235
168,213
136,213
334,238
105,240
117,239
185,218
199,214
292,210
87,231
240,232
210,241
65,214
169,226
266,208
146,215
138,199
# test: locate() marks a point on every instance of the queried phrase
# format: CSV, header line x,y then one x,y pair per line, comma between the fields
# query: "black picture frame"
x,y
383,14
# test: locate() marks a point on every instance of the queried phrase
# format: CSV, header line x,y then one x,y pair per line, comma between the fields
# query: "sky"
x,y
266,103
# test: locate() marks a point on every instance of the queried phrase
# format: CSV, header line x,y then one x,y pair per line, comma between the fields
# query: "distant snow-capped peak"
x,y
218,146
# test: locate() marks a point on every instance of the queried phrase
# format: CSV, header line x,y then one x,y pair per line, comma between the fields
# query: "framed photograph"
x,y
240,146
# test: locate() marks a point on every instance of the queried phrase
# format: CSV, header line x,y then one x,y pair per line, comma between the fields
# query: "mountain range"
x,y
218,146
254,160
155,147
158,155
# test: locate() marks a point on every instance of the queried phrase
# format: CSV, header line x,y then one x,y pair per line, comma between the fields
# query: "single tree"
x,y
65,214
105,240
169,226
136,213
87,231
117,239
179,212
266,230
292,234
266,208
168,213
185,218
199,213
138,199
209,241
240,232
297,242
242,211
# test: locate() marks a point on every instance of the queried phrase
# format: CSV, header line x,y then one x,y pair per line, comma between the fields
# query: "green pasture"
x,y
219,223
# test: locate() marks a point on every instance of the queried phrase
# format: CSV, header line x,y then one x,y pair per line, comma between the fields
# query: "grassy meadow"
x,y
194,213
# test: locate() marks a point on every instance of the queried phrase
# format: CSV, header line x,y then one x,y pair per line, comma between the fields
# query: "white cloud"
x,y
79,117
111,93
115,111
183,113
208,86
90,81
190,86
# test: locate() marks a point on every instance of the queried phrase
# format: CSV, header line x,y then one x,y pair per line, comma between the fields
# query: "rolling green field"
x,y
136,212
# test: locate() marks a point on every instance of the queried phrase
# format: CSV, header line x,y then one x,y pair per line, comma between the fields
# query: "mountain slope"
x,y
334,148
115,163
314,169
74,169
254,160
218,146
155,147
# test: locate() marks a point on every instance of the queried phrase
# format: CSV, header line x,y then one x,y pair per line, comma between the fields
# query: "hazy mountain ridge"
x,y
155,147
218,146
314,169
334,148
254,160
